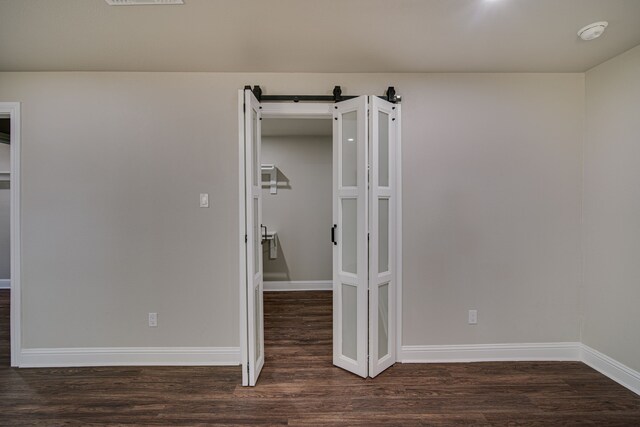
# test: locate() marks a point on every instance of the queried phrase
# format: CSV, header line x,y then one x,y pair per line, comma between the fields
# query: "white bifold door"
x,y
253,238
363,234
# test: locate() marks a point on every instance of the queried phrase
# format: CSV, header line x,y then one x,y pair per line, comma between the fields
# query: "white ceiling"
x,y
314,35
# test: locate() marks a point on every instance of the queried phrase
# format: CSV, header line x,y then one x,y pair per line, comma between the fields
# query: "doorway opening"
x,y
364,227
296,166
5,237
10,343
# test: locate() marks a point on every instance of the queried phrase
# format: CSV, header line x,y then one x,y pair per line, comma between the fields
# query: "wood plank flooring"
x,y
299,386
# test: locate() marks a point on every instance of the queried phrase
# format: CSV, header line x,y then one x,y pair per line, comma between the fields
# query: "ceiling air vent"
x,y
142,2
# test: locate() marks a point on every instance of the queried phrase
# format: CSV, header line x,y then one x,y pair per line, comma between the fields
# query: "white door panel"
x,y
382,249
253,195
350,262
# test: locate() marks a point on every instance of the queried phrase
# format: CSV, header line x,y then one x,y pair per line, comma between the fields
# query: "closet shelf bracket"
x,y
272,171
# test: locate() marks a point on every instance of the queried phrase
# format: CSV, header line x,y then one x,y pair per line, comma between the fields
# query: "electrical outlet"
x,y
204,200
473,317
153,320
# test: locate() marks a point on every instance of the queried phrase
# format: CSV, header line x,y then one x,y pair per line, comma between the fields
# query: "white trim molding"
x,y
611,368
129,356
562,351
5,283
399,232
297,110
300,285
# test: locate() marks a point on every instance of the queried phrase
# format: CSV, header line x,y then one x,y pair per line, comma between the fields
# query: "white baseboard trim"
x,y
611,368
300,285
230,356
562,351
129,356
5,283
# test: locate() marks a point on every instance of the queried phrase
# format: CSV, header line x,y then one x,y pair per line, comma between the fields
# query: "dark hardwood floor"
x,y
299,386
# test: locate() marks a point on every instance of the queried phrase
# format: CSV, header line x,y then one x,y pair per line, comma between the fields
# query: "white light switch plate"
x,y
204,200
153,320
473,317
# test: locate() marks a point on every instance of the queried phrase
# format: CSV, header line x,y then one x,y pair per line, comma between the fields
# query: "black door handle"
x,y
333,234
264,235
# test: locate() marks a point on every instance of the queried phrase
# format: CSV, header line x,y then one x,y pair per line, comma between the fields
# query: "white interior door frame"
x,y
398,242
306,110
297,110
13,110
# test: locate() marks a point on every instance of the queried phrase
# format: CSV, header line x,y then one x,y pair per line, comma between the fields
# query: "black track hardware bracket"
x,y
337,96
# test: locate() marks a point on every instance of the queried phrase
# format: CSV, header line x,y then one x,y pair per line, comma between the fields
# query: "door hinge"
x,y
246,239
244,108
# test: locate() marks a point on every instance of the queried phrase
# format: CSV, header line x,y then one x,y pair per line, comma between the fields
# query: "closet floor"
x,y
299,386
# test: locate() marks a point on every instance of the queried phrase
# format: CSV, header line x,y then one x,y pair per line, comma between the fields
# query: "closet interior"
x,y
296,167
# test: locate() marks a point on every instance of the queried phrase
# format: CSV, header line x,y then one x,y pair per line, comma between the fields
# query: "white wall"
x,y
112,168
301,210
611,294
492,176
113,164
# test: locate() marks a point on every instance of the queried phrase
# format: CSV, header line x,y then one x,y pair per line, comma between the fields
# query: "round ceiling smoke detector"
x,y
593,31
